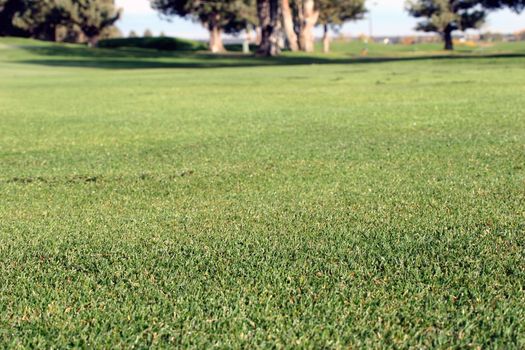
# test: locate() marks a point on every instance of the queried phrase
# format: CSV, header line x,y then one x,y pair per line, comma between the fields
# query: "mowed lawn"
x,y
181,200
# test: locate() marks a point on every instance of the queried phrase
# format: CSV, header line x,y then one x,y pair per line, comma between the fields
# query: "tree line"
x,y
296,19
293,20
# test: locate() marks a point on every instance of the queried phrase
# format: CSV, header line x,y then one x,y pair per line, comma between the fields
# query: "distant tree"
x,y
132,34
41,19
230,16
93,17
162,35
268,12
294,22
47,19
305,14
334,13
147,33
446,16
516,5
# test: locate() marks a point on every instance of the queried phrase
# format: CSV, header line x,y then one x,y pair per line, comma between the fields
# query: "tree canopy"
x,y
93,16
516,5
42,18
337,12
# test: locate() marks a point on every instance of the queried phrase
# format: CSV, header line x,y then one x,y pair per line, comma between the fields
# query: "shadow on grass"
x,y
68,56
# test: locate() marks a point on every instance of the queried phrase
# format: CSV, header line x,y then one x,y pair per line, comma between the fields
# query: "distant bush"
x,y
159,43
238,47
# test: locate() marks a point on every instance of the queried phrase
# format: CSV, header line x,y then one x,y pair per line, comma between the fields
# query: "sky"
x,y
388,18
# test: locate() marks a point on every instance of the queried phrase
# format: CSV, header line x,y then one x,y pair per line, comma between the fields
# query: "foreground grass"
x,y
309,206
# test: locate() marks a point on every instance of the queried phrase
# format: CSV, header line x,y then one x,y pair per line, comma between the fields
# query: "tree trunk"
x,y
92,41
246,42
249,34
326,39
299,22
269,17
291,37
311,15
258,36
216,45
447,38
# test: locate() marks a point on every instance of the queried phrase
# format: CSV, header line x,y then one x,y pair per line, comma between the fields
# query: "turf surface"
x,y
300,202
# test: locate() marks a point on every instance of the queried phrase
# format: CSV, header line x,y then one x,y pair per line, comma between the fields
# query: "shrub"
x,y
159,43
238,47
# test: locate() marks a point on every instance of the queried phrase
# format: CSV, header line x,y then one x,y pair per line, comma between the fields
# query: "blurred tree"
x,y
230,16
308,17
57,19
268,12
516,5
289,27
41,19
334,13
147,34
132,34
93,17
446,16
306,14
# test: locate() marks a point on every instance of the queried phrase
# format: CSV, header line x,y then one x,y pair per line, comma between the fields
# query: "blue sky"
x,y
388,18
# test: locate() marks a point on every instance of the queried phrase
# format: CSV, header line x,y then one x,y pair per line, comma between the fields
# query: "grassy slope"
x,y
326,205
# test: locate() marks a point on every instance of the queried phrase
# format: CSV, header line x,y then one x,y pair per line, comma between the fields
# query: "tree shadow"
x,y
133,58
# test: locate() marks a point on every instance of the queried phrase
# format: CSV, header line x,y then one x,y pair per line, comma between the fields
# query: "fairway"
x,y
197,201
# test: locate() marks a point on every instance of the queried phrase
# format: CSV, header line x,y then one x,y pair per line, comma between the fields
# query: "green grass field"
x,y
299,202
